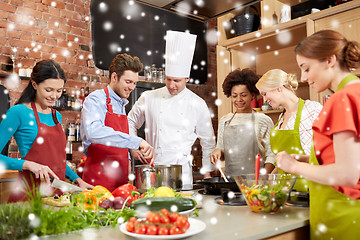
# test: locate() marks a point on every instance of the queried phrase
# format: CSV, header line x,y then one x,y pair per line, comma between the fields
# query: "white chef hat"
x,y
179,52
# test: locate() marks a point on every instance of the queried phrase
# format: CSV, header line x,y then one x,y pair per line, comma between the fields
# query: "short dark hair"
x,y
43,70
123,62
245,77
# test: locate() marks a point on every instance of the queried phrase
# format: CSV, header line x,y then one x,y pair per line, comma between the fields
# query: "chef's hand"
x,y
40,171
146,150
137,155
215,156
84,185
285,162
300,158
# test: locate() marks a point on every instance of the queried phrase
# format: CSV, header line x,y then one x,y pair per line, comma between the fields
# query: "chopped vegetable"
x,y
265,198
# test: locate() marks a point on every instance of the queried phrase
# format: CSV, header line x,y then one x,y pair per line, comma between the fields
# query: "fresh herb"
x,y
20,220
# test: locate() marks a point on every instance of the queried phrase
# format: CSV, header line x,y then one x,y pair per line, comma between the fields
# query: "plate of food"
x,y
57,201
196,227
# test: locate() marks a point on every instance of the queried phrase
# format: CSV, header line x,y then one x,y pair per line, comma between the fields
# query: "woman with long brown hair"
x,y
326,59
38,133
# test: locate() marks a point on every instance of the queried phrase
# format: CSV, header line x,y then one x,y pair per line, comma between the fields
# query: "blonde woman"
x,y
293,131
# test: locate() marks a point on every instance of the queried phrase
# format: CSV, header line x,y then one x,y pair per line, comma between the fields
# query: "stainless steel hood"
x,y
202,10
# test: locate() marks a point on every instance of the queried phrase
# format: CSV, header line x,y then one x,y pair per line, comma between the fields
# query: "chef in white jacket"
x,y
174,116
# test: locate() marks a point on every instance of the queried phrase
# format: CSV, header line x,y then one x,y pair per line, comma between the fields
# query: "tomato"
x,y
165,212
152,230
164,219
163,231
174,230
173,217
181,222
130,226
133,219
141,229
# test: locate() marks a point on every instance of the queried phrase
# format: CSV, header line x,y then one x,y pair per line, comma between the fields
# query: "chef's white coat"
x,y
172,124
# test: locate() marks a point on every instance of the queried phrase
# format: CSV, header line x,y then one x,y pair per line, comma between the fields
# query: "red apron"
x,y
48,149
105,165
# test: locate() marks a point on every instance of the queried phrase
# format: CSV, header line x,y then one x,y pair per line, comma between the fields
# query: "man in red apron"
x,y
105,129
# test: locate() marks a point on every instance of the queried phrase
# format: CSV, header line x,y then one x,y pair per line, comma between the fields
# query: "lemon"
x,y
164,192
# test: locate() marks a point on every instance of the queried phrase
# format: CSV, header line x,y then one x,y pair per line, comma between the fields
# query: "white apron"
x,y
240,147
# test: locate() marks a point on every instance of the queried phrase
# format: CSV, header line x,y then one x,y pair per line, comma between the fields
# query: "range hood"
x,y
201,10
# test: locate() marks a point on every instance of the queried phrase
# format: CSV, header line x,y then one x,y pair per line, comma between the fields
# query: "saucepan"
x,y
157,176
214,185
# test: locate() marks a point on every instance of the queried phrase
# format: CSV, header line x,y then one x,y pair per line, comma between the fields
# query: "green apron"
x,y
289,141
333,215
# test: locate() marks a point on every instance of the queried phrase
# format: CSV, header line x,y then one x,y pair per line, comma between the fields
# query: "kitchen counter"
x,y
6,179
226,222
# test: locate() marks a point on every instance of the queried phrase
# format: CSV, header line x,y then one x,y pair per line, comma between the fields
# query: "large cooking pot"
x,y
157,176
214,185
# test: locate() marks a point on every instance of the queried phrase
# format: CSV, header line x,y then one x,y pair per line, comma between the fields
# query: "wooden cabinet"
x,y
273,46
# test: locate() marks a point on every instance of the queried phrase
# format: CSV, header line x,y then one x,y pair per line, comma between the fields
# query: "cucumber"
x,y
173,204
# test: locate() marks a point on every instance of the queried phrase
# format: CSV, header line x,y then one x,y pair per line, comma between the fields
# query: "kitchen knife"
x,y
66,187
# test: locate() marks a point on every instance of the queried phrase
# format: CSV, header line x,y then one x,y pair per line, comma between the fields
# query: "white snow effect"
x,y
262,171
209,205
108,26
213,94
202,171
2,168
40,140
174,208
200,3
211,36
114,47
131,177
202,63
115,164
195,67
33,237
120,220
103,7
213,220
131,2
65,53
89,234
183,7
218,102
11,26
322,228
226,61
148,53
3,116
276,53
81,149
12,82
156,18
284,37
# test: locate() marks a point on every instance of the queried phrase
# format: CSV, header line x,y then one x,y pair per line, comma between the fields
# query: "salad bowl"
x,y
268,194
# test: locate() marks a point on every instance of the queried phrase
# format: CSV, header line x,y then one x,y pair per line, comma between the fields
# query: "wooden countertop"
x,y
9,174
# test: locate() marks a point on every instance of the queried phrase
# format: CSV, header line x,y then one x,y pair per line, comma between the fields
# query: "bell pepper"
x,y
127,191
87,200
101,192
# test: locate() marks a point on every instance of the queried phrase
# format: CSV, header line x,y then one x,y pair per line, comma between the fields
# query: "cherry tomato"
x,y
174,230
155,218
152,230
130,226
165,212
163,231
164,219
141,230
181,222
173,217
133,219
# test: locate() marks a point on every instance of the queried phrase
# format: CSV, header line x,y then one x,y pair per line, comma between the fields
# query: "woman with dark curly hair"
x,y
245,133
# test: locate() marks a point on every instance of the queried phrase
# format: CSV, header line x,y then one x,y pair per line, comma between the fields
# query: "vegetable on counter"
x,y
159,223
173,204
128,192
265,198
20,220
160,192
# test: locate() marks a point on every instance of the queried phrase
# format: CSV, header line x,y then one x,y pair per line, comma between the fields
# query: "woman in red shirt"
x,y
325,59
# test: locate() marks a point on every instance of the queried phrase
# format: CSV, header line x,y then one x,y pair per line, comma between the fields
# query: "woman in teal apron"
x,y
325,59
245,133
293,132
